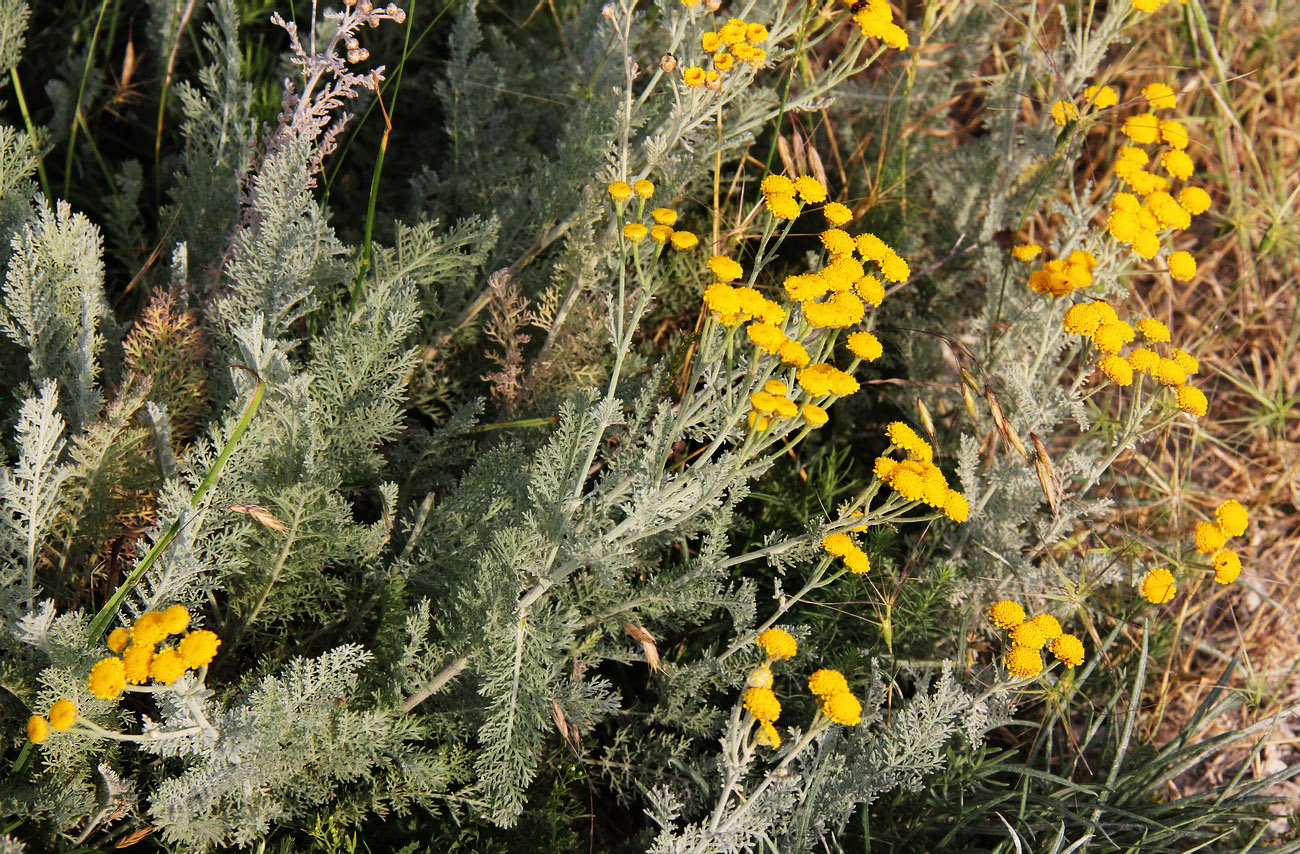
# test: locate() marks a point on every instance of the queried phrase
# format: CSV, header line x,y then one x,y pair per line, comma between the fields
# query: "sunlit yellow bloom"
x,y
1227,566
1192,400
1159,96
1158,586
1209,537
762,704
778,644
1023,662
1232,518
1182,266
1006,614
1026,251
1068,649
837,214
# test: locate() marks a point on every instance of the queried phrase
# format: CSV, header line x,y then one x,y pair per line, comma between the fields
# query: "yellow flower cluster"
x,y
759,698
62,715
1230,520
1029,636
841,545
1063,276
876,20
735,41
1138,218
771,403
1097,97
784,197
917,478
662,231
834,697
1098,321
140,658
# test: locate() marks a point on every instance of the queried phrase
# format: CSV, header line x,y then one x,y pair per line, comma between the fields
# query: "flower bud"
x,y
668,63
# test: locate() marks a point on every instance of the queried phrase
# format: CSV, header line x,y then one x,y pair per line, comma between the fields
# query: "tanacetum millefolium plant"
x,y
616,462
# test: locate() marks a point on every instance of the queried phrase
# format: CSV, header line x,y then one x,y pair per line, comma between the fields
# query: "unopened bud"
x,y
358,55
668,63
607,11
713,80
713,5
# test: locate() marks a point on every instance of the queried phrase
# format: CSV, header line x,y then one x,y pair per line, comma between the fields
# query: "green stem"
x,y
31,132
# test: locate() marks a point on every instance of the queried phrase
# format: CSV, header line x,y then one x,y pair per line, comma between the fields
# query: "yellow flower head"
x,y
1143,360
1192,400
843,708
644,189
148,629
1023,662
107,678
1173,133
767,337
118,638
955,506
814,415
793,353
1169,373
1143,128
1158,586
870,289
1006,614
778,644
1209,537
1102,97
710,41
38,729
1068,649
733,31
782,207
176,619
1178,164
635,232
810,189
837,214
167,666
756,32
827,683
1117,369
1064,112
1194,200
777,185
837,241
1186,361
1081,318
767,736
693,76
1227,566
821,379
725,269
724,62
1111,337
1182,266
865,346
894,268
63,714
1027,634
905,438
664,216
137,659
1026,251
198,648
683,240
838,544
1048,625
620,191
1159,96
661,234
1232,518
762,704
1153,330
857,561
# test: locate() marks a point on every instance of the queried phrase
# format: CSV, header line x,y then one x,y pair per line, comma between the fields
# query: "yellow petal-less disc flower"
x,y
1146,244
1186,361
1192,400
683,240
1208,537
895,269
1117,369
837,214
767,736
794,354
1194,200
1110,338
107,678
1144,360
148,629
1178,164
1068,649
810,189
664,216
777,185
1232,518
118,639
902,436
870,289
814,415
198,648
1048,625
38,729
136,659
955,506
724,62
762,704
756,32
1023,662
1081,319
1159,96
1026,251
693,76
778,644
63,714
857,561
1143,128
767,337
1169,373
1102,97
1028,635
1174,134
827,683
175,619
1227,566
759,422
620,191
1064,112
635,232
1182,266
865,346
837,241
644,189
843,708
1158,586
1153,330
776,387
167,666
726,269
661,234
1006,614
838,544
782,207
